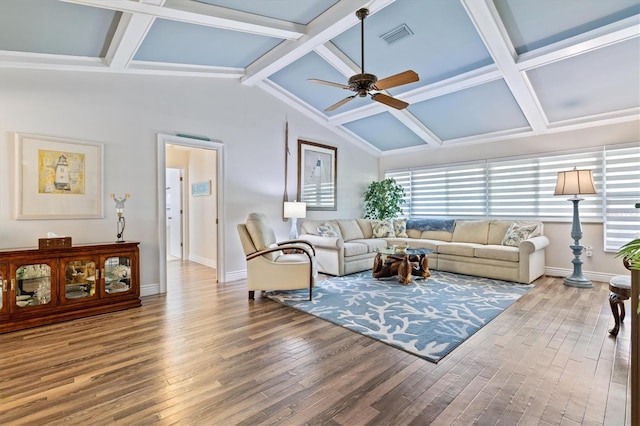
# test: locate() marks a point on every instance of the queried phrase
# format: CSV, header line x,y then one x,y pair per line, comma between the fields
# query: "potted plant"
x,y
383,199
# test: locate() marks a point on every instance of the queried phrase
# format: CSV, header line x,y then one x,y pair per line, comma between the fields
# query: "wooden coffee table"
x,y
389,262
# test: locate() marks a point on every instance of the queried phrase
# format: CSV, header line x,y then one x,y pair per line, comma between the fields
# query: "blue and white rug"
x,y
426,318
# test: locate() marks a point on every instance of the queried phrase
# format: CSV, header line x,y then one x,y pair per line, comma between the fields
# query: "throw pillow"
x,y
516,233
400,228
328,230
382,229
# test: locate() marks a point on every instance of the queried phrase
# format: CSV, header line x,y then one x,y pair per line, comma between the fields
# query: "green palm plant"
x,y
383,200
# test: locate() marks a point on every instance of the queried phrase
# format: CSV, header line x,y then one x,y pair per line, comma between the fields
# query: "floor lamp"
x,y
576,182
293,210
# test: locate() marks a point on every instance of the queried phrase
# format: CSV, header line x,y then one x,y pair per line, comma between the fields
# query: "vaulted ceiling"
x,y
489,69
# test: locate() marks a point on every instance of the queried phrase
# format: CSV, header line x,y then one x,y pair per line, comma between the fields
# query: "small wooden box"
x,y
58,242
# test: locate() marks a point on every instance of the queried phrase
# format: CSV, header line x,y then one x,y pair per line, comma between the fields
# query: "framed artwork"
x,y
317,174
201,188
57,178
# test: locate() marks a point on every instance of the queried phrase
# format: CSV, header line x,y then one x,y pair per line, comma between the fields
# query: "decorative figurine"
x,y
120,212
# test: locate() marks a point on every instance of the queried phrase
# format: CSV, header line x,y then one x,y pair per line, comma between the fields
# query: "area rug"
x,y
428,318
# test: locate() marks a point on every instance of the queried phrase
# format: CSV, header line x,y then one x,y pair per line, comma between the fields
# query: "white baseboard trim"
x,y
211,263
565,272
149,289
236,275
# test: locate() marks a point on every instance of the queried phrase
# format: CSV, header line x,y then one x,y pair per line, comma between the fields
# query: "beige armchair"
x,y
271,265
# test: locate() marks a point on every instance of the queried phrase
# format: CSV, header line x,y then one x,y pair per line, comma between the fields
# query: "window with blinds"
x,y
523,188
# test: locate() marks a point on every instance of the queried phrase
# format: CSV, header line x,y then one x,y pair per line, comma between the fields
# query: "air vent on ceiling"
x,y
397,34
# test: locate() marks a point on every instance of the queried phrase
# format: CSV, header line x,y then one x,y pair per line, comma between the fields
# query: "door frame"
x,y
163,141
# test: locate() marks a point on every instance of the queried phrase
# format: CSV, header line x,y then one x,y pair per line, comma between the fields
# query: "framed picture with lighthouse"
x,y
57,178
317,175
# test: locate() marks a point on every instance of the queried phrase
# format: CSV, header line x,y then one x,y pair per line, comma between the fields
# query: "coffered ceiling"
x,y
489,69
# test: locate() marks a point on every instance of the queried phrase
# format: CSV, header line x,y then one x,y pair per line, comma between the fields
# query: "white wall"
x,y
126,112
558,254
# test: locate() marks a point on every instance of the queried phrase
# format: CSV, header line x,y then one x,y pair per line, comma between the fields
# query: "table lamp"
x,y
293,210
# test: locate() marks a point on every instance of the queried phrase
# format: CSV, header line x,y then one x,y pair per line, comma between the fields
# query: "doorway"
x,y
189,217
174,178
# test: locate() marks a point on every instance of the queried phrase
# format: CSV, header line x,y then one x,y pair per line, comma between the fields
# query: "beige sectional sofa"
x,y
500,249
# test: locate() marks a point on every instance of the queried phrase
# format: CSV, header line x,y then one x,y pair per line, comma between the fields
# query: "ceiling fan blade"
x,y
388,100
340,103
329,83
397,80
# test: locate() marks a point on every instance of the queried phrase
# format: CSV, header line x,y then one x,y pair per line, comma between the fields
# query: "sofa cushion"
x,y
350,229
498,252
354,249
310,226
471,231
414,233
382,229
459,249
372,243
400,227
365,226
518,232
497,229
437,235
329,229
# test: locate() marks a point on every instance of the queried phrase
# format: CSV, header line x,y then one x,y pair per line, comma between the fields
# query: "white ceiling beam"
x,y
309,111
337,59
413,124
203,14
128,37
486,20
616,32
334,21
43,61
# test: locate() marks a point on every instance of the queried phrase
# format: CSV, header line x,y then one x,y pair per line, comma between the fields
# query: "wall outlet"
x,y
588,251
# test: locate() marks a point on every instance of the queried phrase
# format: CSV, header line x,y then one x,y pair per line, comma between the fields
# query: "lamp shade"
x,y
575,182
294,209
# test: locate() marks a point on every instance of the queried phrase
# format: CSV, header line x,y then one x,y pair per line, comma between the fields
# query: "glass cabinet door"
x,y
4,288
80,279
33,285
117,274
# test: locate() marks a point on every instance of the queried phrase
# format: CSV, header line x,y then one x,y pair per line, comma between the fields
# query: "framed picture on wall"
x,y
57,178
201,188
317,175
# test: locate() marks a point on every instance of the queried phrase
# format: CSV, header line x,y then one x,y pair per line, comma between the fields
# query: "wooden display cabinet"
x,y
45,286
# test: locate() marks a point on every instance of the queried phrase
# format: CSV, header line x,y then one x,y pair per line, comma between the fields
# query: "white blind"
x,y
622,188
523,188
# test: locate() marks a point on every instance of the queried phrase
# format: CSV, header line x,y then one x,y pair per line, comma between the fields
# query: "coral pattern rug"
x,y
428,318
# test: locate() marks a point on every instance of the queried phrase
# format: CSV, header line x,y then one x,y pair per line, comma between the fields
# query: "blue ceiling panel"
x,y
534,24
486,108
444,42
603,80
183,43
298,11
384,132
293,78
45,26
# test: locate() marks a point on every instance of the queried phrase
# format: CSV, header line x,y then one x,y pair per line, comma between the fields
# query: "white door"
x,y
174,214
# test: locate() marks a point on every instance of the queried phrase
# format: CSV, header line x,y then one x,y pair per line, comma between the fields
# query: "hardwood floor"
x,y
206,355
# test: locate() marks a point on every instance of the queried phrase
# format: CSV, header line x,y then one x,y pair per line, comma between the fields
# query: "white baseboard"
x,y
149,289
236,275
211,263
565,272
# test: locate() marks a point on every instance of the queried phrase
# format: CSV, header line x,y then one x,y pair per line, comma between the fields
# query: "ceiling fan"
x,y
363,84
